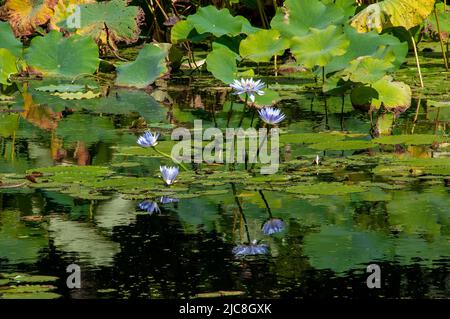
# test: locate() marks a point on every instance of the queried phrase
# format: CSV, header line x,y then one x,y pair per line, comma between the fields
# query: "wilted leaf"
x,y
55,55
122,21
392,13
25,15
149,65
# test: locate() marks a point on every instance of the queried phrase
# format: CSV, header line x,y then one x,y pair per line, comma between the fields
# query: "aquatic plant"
x,y
148,139
271,115
249,87
169,174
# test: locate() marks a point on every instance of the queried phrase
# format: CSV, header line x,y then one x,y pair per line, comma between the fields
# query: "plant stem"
x,y
444,53
417,59
168,156
243,111
233,187
266,203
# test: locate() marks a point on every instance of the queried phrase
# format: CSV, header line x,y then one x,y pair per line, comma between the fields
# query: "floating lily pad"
x,y
343,145
415,139
326,189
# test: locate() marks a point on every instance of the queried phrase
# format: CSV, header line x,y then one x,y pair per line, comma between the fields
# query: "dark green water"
x,y
400,222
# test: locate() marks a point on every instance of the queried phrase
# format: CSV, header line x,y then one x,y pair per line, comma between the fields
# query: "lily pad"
x,y
326,189
415,139
343,145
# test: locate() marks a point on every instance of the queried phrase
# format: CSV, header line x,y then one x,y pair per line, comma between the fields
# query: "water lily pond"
x,y
82,183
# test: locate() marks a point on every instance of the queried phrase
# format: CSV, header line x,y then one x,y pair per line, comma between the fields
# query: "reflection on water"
x,y
300,245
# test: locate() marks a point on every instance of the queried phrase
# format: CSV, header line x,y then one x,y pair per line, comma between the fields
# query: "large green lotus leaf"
x,y
7,66
25,15
54,55
263,45
180,31
393,95
341,250
368,44
392,13
296,17
149,65
8,40
348,6
122,21
221,62
218,22
319,47
366,69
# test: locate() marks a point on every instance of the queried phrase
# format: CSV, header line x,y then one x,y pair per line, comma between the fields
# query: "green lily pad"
x,y
326,189
149,65
55,55
36,295
180,31
415,139
343,145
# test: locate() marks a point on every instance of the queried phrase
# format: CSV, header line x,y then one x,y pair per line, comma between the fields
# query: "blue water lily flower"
x,y
250,250
169,174
272,226
148,139
248,86
271,115
150,207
